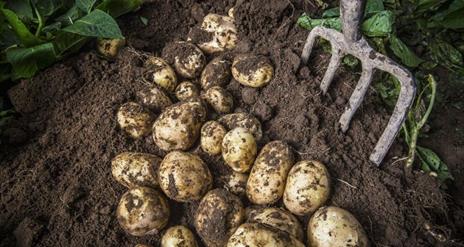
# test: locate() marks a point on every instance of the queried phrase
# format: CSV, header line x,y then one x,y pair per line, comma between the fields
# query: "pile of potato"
x,y
261,176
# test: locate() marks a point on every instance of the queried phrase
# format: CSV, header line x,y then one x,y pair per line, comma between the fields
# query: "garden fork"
x,y
352,42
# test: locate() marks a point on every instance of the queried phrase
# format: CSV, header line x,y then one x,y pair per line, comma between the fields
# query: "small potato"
x,y
219,99
142,211
239,149
216,73
266,182
187,58
333,226
134,119
222,32
186,90
178,236
278,218
154,99
261,235
142,245
184,177
109,48
235,182
252,71
243,120
178,127
136,169
161,73
217,217
307,188
212,133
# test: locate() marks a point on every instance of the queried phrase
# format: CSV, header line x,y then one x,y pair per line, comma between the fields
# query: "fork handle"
x,y
351,13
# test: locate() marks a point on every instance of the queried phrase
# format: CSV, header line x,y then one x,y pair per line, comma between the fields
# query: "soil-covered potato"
x,y
239,149
109,48
216,73
178,127
307,187
143,211
178,236
334,226
142,245
154,98
219,99
266,182
217,33
277,218
187,90
217,217
184,177
134,119
261,235
235,182
212,133
159,72
243,120
136,169
187,58
251,70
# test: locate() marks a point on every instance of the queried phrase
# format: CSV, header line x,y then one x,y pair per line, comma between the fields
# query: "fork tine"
x,y
308,47
331,69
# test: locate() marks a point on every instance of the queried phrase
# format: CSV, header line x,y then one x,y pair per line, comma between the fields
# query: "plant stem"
x,y
40,19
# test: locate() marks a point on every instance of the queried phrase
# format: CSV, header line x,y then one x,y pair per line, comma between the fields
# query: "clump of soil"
x,y
57,187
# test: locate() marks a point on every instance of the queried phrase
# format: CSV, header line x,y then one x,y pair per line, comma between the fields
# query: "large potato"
x,y
142,211
217,33
235,182
219,99
333,227
159,71
243,120
307,188
154,99
211,137
239,149
277,218
216,73
134,119
261,235
184,177
217,217
136,169
178,236
178,127
252,71
187,90
266,182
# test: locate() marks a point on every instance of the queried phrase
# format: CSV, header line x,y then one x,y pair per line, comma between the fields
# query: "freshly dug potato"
x,y
261,235
142,211
243,120
142,245
187,58
184,177
277,218
239,149
212,133
161,73
266,182
134,119
235,182
333,226
178,236
218,216
216,73
136,169
252,71
109,48
186,90
307,188
219,99
178,127
222,33
231,12
154,99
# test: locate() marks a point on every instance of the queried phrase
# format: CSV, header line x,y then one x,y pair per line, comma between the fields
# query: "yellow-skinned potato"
x,y
252,71
136,169
219,99
307,188
178,127
184,177
154,98
216,73
142,245
186,90
161,73
109,48
143,211
134,119
189,60
277,218
235,182
334,226
266,182
216,34
212,133
239,149
217,217
243,120
178,236
261,235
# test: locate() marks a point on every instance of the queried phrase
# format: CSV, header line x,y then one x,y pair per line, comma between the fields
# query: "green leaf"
x,y
27,61
85,5
21,31
48,7
446,55
427,5
452,17
373,6
333,12
70,16
350,61
432,163
379,25
307,22
66,43
402,51
119,7
22,8
96,24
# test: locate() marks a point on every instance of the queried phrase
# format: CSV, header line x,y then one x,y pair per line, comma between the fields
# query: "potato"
x,y
239,149
178,127
223,33
307,188
134,119
266,182
252,71
109,48
142,211
219,99
212,133
161,73
187,58
136,169
231,12
216,73
260,235
217,217
333,226
277,218
154,99
142,245
235,182
178,236
184,177
243,120
186,90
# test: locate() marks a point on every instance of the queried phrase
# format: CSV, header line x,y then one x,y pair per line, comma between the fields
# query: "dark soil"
x,y
56,184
